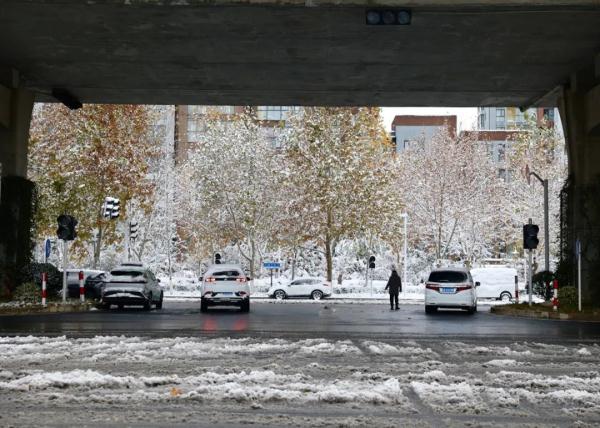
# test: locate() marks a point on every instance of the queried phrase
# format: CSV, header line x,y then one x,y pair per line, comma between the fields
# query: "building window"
x,y
549,114
482,121
200,110
195,129
276,112
500,118
272,136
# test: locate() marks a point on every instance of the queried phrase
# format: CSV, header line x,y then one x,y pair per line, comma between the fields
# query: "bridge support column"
x,y
580,112
16,191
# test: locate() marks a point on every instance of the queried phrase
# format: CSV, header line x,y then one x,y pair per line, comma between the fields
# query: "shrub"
x,y
33,273
28,292
567,296
542,284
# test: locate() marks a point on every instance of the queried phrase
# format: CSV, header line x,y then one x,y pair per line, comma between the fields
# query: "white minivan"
x,y
225,285
497,282
450,288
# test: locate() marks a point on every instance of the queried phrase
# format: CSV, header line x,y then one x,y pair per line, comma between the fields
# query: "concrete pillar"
x,y
580,112
16,191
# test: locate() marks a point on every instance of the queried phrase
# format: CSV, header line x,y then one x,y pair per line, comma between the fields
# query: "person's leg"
x,y
392,300
396,298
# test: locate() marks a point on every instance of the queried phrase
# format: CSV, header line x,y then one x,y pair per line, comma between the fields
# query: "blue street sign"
x,y
48,248
272,265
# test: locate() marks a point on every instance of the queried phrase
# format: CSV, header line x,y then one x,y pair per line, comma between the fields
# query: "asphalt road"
x,y
300,320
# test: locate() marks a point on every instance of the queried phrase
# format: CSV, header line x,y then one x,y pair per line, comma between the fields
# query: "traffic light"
x,y
217,258
66,227
372,262
530,239
112,207
133,230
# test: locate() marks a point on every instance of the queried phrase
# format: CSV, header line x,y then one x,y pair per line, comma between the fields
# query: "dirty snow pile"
x,y
523,381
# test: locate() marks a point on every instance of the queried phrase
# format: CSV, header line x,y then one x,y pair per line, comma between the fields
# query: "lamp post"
x,y
546,221
405,267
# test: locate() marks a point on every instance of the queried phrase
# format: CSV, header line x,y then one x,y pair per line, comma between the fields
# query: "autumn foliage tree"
x,y
77,158
339,176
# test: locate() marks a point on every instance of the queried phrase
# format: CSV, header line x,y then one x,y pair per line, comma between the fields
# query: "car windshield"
x,y
447,276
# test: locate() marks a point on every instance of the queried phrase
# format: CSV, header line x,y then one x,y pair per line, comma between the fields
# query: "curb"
x,y
537,314
52,308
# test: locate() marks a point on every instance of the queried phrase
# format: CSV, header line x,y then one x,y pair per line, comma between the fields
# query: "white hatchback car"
x,y
315,288
450,288
225,284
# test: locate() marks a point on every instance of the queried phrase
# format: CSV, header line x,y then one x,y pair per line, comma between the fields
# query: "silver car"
x,y
132,285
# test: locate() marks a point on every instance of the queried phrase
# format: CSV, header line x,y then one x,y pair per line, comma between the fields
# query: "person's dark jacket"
x,y
394,284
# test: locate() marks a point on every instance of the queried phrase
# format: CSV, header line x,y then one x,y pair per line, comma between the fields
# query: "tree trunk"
x,y
328,246
97,247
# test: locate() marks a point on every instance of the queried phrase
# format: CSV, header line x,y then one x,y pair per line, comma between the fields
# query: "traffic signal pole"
x,y
65,265
546,222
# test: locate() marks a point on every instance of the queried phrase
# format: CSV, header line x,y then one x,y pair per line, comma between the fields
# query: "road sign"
x,y
48,248
272,265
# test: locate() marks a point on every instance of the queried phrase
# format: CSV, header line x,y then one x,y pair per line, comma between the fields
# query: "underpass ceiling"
x,y
463,53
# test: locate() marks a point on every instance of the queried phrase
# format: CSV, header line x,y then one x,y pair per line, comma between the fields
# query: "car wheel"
x,y
316,295
203,306
245,306
148,303
505,296
280,294
121,306
160,302
104,306
472,310
430,309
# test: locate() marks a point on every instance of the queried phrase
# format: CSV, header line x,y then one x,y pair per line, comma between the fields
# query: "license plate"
x,y
447,290
227,293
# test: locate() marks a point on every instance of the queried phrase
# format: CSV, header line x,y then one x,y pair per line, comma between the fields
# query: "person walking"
x,y
394,285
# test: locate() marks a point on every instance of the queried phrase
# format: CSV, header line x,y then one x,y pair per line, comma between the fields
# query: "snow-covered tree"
x,y
542,149
452,194
230,188
339,176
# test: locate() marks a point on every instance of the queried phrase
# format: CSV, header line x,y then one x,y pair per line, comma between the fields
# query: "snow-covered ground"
x,y
202,381
350,290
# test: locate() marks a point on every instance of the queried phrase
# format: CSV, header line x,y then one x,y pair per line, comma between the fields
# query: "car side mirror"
x,y
477,284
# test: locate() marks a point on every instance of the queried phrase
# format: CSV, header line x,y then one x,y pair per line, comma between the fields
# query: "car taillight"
x,y
209,293
242,293
241,279
210,279
464,287
432,286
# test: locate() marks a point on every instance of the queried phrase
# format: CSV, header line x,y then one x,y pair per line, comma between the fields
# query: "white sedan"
x,y
315,288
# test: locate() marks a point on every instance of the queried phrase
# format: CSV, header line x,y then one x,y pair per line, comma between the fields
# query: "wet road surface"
x,y
299,320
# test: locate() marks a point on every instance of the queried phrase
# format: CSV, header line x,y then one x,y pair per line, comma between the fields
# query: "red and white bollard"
x,y
555,302
44,281
81,288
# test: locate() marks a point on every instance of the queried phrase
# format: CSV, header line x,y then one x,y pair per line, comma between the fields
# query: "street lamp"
x,y
404,274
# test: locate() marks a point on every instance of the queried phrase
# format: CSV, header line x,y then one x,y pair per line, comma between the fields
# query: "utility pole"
x,y
546,217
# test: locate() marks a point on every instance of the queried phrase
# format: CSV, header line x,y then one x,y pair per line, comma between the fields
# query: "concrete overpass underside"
x,y
311,52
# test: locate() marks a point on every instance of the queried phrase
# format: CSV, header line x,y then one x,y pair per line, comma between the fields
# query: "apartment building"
x,y
190,122
409,130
